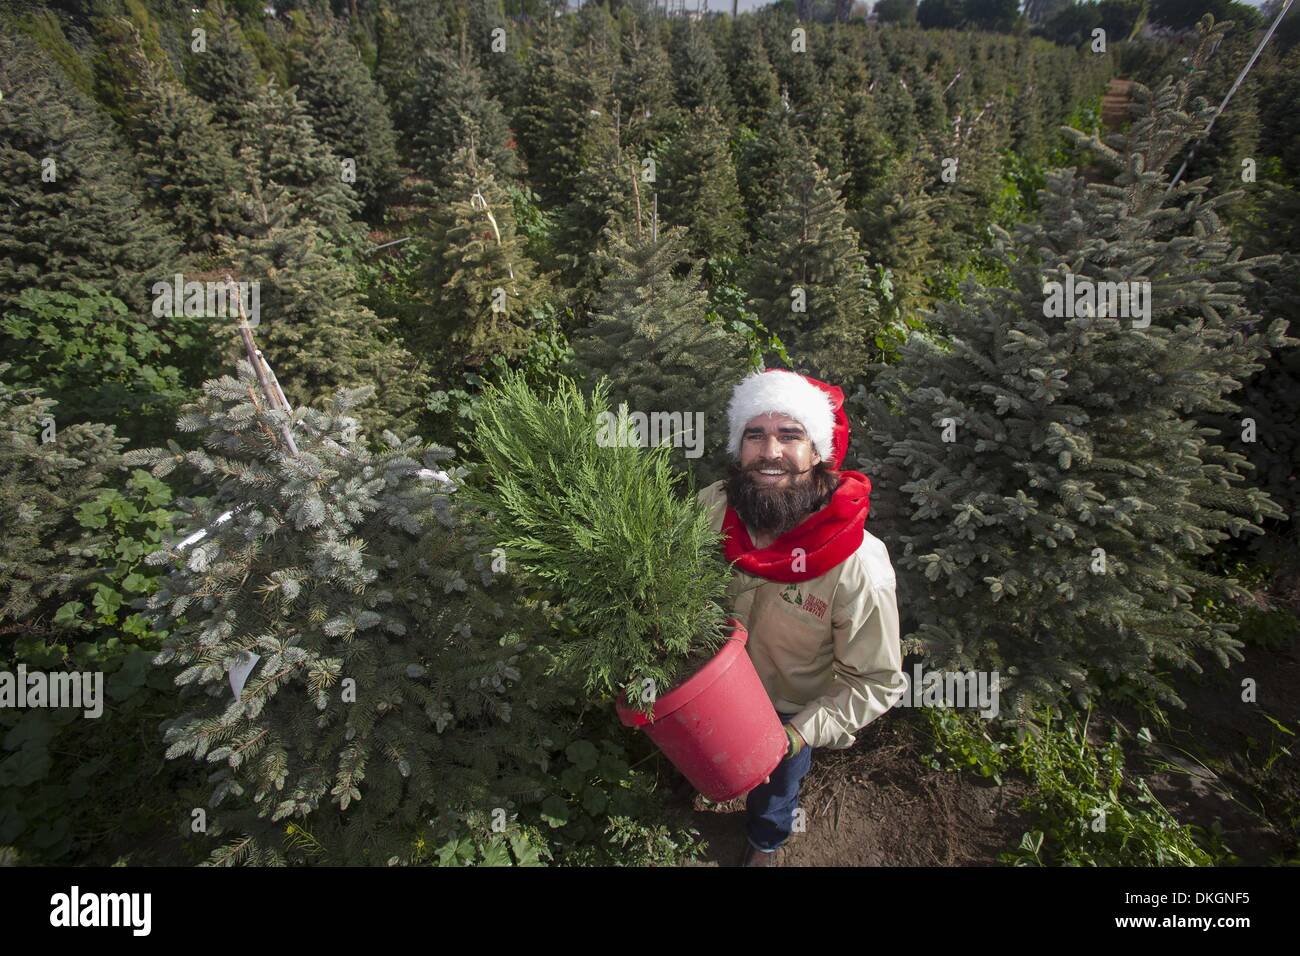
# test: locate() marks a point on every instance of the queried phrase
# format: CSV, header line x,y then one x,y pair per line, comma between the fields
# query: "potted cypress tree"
x,y
582,511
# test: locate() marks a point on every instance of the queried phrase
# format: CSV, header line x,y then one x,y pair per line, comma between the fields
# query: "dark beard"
x,y
775,511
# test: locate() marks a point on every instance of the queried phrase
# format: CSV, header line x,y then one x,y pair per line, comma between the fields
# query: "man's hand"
x,y
803,743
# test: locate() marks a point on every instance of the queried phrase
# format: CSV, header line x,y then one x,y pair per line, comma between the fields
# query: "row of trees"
x,y
664,202
1072,21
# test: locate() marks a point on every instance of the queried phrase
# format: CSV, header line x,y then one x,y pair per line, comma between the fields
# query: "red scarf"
x,y
827,536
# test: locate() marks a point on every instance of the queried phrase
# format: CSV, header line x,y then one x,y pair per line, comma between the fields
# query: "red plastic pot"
x,y
719,727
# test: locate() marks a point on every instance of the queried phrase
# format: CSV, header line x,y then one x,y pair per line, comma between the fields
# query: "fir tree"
x,y
316,335
651,333
822,122
482,287
643,88
560,103
807,278
927,99
698,72
225,73
287,152
1027,136
186,163
49,468
896,109
382,666
119,41
406,31
595,39
1053,539
347,108
896,224
968,201
761,160
796,75
698,188
503,70
604,198
867,150
72,213
753,81
450,100
1265,428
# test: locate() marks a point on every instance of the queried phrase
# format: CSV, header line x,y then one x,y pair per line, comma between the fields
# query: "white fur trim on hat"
x,y
760,393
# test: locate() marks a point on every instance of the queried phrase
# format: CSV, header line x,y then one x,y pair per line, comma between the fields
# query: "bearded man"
x,y
813,587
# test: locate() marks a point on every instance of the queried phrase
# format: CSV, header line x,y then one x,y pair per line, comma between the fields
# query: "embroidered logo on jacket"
x,y
813,605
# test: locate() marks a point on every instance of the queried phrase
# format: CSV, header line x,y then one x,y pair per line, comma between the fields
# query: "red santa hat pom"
x,y
815,405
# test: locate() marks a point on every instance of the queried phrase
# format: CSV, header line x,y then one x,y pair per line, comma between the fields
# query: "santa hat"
x,y
815,405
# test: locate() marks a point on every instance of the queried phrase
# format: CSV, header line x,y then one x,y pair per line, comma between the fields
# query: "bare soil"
x,y
877,804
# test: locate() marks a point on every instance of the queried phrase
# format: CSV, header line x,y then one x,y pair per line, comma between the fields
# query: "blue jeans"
x,y
770,806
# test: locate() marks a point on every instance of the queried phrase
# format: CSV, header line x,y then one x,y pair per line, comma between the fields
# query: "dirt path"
x,y
878,805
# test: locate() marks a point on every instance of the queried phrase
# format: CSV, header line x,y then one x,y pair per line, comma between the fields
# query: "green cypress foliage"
x,y
347,108
387,689
1051,535
594,520
71,212
807,277
698,187
651,333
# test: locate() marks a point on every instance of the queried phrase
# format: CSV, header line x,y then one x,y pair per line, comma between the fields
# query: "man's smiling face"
x,y
772,487
777,450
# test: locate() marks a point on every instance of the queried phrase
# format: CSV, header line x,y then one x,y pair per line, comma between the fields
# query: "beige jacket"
x,y
826,649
